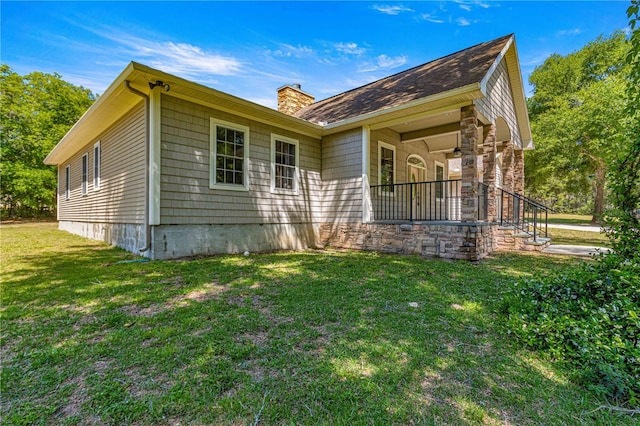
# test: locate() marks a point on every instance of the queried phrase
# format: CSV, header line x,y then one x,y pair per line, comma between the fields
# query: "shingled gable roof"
x,y
451,72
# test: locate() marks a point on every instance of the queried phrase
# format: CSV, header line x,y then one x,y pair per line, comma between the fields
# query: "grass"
x,y
291,338
570,219
578,238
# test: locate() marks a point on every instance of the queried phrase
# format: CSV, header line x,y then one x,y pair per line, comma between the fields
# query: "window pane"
x,y
221,133
288,172
229,155
285,161
386,167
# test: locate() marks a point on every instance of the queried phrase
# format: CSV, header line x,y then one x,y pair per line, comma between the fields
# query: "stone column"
x,y
507,178
518,171
469,148
489,163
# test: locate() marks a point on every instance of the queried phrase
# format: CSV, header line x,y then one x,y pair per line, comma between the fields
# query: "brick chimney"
x,y
291,98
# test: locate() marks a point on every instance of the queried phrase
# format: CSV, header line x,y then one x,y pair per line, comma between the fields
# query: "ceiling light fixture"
x,y
457,152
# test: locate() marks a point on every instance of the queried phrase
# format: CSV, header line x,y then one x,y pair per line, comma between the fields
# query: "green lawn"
x,y
570,219
578,238
291,338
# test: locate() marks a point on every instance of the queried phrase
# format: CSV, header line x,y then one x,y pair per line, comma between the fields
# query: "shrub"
x,y
588,318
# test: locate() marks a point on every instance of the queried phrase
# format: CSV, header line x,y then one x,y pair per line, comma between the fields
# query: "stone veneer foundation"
x,y
450,240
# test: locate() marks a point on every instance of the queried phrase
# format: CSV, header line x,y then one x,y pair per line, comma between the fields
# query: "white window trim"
x,y
435,177
395,157
212,155
419,158
67,182
296,174
84,183
97,165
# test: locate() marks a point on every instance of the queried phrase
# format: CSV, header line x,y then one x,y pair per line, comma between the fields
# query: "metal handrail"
x,y
423,201
522,213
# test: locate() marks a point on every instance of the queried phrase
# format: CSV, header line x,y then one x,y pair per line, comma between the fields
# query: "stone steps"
x,y
511,239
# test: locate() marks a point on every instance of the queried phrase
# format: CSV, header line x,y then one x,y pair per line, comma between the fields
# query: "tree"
x,y
36,111
578,121
623,219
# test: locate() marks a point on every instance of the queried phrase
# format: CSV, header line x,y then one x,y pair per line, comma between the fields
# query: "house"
x,y
428,161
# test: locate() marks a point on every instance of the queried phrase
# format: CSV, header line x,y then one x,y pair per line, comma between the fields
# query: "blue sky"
x,y
249,49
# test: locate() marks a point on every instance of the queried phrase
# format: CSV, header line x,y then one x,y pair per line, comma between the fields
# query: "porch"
x,y
441,201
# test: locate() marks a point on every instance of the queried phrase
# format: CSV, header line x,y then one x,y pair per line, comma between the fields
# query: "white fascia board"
x,y
66,147
510,51
229,103
494,66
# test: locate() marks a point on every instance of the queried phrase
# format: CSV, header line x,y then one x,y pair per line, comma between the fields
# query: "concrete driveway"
x,y
587,228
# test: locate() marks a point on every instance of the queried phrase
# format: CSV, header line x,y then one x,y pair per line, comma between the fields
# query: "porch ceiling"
x,y
439,132
447,117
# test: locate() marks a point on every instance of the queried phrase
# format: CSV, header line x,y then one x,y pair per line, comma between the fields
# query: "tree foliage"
x,y
589,317
36,111
578,121
623,219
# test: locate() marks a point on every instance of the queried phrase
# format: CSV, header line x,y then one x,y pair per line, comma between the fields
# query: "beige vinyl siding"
x,y
120,198
185,195
499,101
342,176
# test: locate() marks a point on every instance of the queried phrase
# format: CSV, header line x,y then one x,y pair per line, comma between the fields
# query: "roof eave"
x,y
83,131
248,108
510,54
57,154
456,96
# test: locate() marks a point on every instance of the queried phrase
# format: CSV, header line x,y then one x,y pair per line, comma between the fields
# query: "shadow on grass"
x,y
315,337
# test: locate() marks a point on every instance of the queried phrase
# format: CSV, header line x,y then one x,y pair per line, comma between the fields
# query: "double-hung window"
x,y
387,166
284,164
229,148
85,173
96,166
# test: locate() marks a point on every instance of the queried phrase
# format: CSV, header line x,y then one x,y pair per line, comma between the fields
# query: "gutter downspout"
x,y
147,154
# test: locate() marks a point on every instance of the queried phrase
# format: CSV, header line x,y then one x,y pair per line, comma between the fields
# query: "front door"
x,y
417,173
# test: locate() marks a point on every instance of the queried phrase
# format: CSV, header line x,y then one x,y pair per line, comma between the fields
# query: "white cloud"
x,y
180,58
470,4
571,32
288,51
430,18
349,48
391,10
383,62
185,58
463,22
